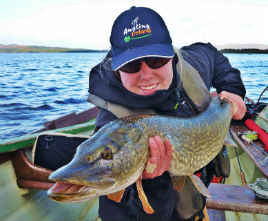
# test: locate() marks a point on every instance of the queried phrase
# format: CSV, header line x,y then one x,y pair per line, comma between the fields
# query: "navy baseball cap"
x,y
139,32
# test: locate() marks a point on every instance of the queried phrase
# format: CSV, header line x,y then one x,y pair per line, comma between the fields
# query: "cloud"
x,y
87,24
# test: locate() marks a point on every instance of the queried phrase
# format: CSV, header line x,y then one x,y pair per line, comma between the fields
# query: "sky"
x,y
87,23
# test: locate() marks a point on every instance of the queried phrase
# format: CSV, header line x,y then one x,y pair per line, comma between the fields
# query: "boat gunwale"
x,y
75,126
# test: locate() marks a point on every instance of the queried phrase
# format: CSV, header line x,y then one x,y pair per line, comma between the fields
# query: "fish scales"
x,y
205,130
117,154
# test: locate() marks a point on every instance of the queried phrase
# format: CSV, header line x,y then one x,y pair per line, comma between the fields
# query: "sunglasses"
x,y
152,62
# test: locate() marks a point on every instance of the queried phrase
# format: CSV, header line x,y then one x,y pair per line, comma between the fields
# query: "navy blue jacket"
x,y
215,70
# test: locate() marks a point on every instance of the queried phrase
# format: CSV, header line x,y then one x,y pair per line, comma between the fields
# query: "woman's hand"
x,y
159,161
239,107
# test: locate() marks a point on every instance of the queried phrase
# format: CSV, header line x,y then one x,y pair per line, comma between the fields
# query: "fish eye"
x,y
89,158
107,154
222,102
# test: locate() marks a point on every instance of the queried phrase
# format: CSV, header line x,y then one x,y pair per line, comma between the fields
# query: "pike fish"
x,y
115,157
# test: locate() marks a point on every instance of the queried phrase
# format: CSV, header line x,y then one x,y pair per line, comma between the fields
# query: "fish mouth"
x,y
102,177
70,188
69,192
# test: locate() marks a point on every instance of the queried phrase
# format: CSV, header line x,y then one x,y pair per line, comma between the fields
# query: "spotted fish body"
x,y
117,154
195,141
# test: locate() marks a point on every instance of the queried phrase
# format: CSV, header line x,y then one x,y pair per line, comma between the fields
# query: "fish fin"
x,y
229,141
136,117
144,201
117,196
200,186
178,182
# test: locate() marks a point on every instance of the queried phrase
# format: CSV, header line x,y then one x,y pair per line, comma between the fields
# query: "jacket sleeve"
x,y
225,77
214,68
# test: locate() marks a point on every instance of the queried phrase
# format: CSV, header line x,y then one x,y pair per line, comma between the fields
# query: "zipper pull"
x,y
48,139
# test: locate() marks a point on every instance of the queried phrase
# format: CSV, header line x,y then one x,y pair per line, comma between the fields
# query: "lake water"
x,y
38,87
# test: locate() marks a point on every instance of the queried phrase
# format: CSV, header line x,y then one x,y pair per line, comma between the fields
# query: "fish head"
x,y
110,160
223,107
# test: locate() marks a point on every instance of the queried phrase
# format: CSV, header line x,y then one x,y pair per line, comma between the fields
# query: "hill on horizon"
x,y
15,48
242,46
226,48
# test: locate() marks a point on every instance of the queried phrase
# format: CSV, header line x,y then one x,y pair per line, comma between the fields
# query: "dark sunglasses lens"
x,y
156,62
131,67
152,62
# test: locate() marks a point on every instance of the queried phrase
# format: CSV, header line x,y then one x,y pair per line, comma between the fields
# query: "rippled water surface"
x,y
38,87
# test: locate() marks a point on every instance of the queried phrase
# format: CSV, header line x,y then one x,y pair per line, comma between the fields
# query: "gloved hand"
x,y
160,158
239,107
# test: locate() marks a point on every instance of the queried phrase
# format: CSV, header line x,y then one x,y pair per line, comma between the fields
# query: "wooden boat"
x,y
24,184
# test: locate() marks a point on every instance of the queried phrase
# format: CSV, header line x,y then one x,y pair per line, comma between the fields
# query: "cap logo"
x,y
137,31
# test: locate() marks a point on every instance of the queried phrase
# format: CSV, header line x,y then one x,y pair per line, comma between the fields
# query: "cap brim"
x,y
154,50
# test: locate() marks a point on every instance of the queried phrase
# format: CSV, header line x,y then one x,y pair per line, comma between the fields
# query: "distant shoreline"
x,y
43,49
28,50
245,51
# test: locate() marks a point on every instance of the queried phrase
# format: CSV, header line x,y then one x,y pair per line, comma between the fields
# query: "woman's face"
x,y
147,80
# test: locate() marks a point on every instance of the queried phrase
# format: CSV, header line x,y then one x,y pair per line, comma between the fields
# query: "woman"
x,y
140,72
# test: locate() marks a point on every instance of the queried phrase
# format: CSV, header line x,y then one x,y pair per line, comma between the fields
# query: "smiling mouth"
x,y
149,87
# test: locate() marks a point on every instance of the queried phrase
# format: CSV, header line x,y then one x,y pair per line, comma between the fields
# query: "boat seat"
x,y
47,156
235,198
28,174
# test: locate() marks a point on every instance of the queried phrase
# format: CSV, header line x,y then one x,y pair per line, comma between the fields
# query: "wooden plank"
x,y
262,119
70,120
87,115
29,139
62,119
256,155
235,198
